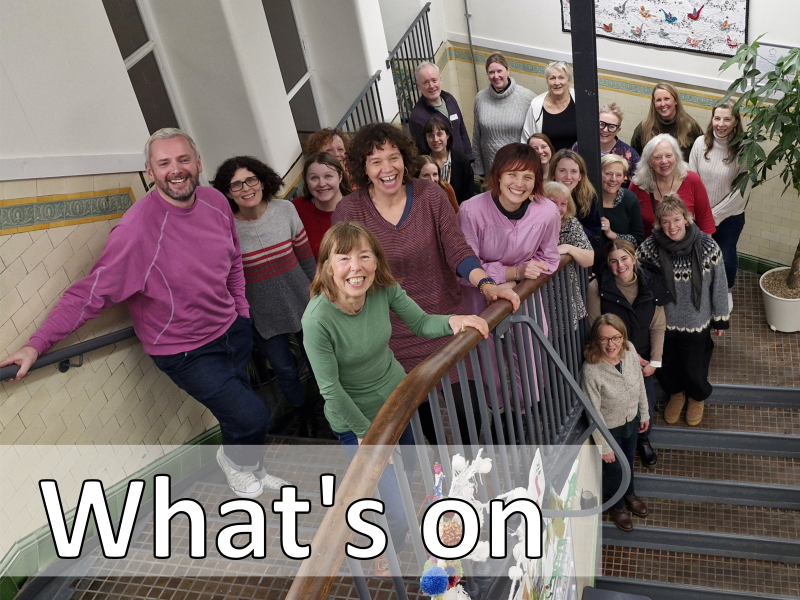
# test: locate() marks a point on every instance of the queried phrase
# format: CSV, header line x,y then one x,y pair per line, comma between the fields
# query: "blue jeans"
x,y
278,351
387,486
216,376
650,388
727,236
612,472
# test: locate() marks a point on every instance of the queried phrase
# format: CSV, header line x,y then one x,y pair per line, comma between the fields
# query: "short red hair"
x,y
515,157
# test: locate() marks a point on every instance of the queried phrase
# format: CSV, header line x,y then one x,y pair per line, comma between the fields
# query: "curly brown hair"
x,y
374,137
271,182
317,140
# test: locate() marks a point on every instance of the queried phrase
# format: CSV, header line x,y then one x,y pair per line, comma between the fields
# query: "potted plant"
x,y
770,103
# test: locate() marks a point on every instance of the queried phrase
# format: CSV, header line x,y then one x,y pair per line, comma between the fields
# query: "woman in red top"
x,y
662,171
325,183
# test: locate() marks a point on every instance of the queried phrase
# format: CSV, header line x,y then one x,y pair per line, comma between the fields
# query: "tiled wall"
x,y
118,396
772,227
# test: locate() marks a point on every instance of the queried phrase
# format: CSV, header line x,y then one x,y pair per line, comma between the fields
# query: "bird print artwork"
x,y
607,28
621,8
695,14
693,42
724,25
663,34
637,31
668,17
645,13
732,43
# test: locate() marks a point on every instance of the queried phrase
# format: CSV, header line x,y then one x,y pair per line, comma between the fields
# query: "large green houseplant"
x,y
770,105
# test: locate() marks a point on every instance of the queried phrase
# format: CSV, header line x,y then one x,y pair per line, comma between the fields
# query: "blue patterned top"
x,y
625,151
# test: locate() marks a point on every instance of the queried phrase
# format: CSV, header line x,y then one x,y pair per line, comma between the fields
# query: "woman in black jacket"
x,y
636,294
455,167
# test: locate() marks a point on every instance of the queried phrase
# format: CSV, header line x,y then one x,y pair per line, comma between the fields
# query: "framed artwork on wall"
x,y
715,27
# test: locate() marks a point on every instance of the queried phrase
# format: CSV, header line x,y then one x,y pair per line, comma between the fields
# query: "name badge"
x,y
454,117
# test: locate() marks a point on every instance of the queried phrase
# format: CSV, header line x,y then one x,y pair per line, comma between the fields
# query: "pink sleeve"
x,y
547,251
702,206
235,281
118,274
470,225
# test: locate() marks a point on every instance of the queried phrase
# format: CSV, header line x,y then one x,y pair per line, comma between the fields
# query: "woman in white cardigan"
x,y
716,160
553,113
612,380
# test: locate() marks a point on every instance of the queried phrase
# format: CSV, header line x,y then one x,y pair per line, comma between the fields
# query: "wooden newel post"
x,y
587,103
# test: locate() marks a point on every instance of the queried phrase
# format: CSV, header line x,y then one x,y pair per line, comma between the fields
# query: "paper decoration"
x,y
715,27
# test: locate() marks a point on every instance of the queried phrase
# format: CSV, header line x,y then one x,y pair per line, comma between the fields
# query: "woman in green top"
x,y
346,336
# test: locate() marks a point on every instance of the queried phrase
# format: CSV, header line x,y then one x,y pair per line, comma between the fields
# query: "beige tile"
x,y
76,185
56,259
11,275
80,261
27,315
8,333
51,186
14,245
105,182
32,282
97,242
33,432
59,234
10,304
23,188
36,252
54,286
33,407
11,406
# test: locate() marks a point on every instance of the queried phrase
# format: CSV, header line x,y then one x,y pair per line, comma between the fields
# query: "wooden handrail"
x,y
315,576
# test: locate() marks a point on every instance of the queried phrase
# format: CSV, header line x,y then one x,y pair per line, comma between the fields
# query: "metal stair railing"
x,y
539,351
414,47
366,108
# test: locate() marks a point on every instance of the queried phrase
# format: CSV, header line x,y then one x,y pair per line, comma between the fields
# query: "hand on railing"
x,y
493,293
459,323
25,357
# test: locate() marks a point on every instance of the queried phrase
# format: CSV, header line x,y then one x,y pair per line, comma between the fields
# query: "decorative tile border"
x,y
36,551
45,212
614,84
757,265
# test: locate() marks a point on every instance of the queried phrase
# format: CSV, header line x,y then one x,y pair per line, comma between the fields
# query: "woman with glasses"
x,y
610,123
553,113
278,270
612,380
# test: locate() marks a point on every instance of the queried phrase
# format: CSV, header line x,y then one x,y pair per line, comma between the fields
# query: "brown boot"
x,y
674,408
621,518
694,414
636,505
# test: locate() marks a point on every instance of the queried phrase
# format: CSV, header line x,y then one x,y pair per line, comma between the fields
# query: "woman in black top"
x,y
621,214
454,166
554,113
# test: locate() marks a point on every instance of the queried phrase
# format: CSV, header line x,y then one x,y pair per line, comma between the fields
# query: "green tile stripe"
x,y
611,84
39,213
754,264
36,551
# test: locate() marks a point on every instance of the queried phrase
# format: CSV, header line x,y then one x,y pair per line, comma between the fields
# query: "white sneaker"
x,y
730,302
243,483
270,482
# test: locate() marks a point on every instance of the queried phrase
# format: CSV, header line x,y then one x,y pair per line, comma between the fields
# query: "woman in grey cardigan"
x,y
612,380
500,113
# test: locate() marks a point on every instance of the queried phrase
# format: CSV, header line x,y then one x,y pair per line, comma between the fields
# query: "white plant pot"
x,y
782,314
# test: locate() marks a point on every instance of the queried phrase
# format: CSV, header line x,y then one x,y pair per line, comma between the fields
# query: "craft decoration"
x,y
443,575
716,27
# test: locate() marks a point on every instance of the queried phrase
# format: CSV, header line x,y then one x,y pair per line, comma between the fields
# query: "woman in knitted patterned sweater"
x,y
716,161
278,269
695,275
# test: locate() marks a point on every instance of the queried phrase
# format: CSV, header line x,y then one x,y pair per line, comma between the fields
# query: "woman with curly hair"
x,y
334,141
325,183
278,270
569,168
417,228
667,115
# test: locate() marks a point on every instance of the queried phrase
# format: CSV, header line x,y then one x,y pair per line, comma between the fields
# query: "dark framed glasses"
x,y
251,182
610,126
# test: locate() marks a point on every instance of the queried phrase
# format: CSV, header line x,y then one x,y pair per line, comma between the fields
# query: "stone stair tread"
x,y
712,517
723,466
751,419
700,570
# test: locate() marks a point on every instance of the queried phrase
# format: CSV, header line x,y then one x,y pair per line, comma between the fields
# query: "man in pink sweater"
x,y
175,258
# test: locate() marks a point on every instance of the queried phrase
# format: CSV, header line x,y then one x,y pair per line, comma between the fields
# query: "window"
x,y
139,53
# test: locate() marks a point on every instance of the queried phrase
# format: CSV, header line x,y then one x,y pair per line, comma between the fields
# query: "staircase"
x,y
724,504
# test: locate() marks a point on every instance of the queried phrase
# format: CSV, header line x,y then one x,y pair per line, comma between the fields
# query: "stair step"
x,y
714,440
714,517
705,574
755,395
751,419
654,590
717,544
727,492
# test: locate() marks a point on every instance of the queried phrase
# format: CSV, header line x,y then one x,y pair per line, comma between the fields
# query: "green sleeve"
x,y
319,349
418,321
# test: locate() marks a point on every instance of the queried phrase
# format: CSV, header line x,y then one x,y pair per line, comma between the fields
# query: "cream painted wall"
x,y
533,27
228,79
68,107
397,16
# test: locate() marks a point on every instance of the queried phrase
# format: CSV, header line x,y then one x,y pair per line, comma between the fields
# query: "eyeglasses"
x,y
616,339
610,126
251,182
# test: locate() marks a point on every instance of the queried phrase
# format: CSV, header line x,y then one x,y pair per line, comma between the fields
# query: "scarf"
x,y
691,244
